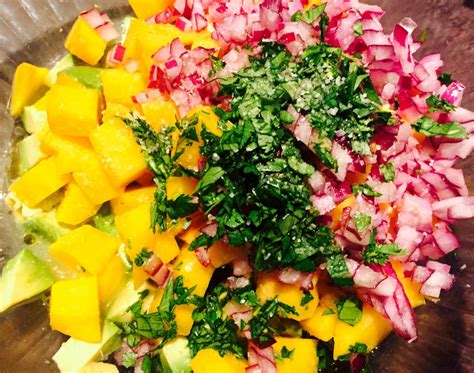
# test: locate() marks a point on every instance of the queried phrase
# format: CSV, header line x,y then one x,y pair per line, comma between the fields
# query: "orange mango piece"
x,y
209,361
119,86
178,185
303,357
323,322
111,280
412,289
165,247
160,114
206,118
75,208
85,43
27,87
191,154
146,8
339,209
39,183
221,253
183,315
133,198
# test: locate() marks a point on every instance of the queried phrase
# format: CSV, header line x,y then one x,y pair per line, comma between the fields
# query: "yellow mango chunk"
x,y
68,81
193,231
26,89
85,247
221,253
94,182
85,43
370,330
111,280
312,3
114,111
75,310
146,8
134,228
191,154
165,247
207,43
209,361
73,111
160,114
75,208
339,209
118,151
303,356
269,287
193,272
99,368
133,198
323,322
139,277
412,289
119,86
207,118
183,315
178,185
39,183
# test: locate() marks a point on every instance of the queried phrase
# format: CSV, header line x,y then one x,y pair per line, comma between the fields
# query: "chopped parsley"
x,y
362,222
365,189
307,297
309,16
358,29
445,79
285,353
142,257
388,171
358,348
429,127
437,103
377,253
328,311
349,310
337,269
129,359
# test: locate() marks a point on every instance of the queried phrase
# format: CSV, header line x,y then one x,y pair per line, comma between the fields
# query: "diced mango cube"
x,y
165,247
178,185
193,231
303,357
118,151
85,43
75,208
221,253
114,111
134,227
207,43
209,361
119,86
73,111
160,114
39,183
269,287
412,289
312,3
323,322
85,247
111,280
75,310
339,209
133,198
139,277
207,118
183,315
94,182
99,368
370,330
146,8
193,272
191,154
27,84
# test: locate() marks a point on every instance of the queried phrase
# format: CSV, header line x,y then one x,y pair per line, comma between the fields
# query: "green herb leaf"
x,y
286,353
437,103
310,15
358,29
129,359
358,348
142,257
380,253
428,127
388,171
445,79
362,222
181,207
211,176
337,269
365,189
307,297
350,310
328,311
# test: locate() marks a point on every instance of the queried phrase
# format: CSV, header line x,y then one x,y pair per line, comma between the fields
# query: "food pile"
x,y
236,186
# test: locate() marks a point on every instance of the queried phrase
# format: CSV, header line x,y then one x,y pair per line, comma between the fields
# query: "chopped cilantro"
x,y
429,127
358,348
445,78
388,171
362,222
309,16
325,357
217,65
328,311
337,269
181,207
307,297
357,29
376,253
285,353
437,103
365,189
349,310
142,257
129,359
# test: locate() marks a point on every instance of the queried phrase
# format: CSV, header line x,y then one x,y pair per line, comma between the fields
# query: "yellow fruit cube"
x,y
207,43
193,272
99,368
75,310
312,3
68,81
85,247
118,151
412,289
114,111
27,87
94,182
165,247
134,227
323,322
111,280
370,330
146,8
39,183
193,231
191,154
75,208
269,287
207,118
303,356
221,253
85,43
209,361
73,111
133,198
178,185
160,114
119,86
139,277
183,315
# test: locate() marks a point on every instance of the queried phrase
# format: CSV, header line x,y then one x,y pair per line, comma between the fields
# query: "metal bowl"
x,y
34,31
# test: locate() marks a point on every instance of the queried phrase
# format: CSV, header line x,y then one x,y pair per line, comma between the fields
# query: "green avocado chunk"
x,y
74,354
118,310
23,277
86,75
176,356
34,120
29,152
44,226
66,62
